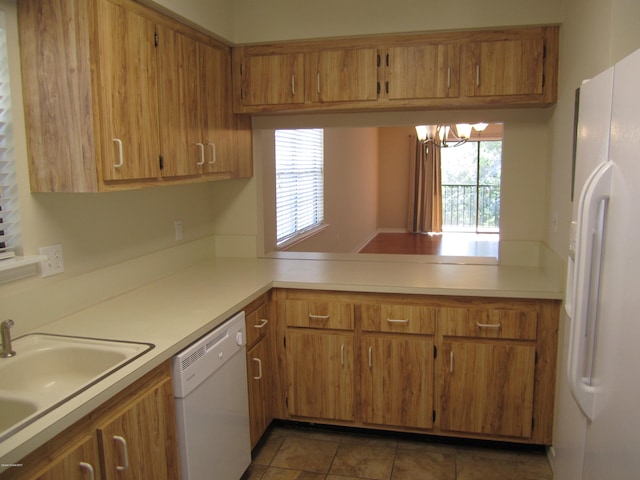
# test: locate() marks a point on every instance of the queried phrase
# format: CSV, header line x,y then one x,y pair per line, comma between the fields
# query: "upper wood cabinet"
x,y
424,71
343,75
272,79
479,68
119,96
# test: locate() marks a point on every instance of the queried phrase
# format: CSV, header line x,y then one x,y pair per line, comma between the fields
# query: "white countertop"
x,y
174,311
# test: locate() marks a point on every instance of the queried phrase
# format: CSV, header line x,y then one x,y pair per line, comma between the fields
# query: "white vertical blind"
x,y
299,181
9,218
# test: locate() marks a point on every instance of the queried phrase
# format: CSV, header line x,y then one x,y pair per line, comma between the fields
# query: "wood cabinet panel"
x,y
321,375
423,71
257,323
319,314
487,388
494,323
503,68
260,373
397,381
137,442
127,90
273,79
398,319
343,75
76,464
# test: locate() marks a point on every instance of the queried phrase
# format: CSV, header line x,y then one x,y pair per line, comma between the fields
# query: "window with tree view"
x,y
471,187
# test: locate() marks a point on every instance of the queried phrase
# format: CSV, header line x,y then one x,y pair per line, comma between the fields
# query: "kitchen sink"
x,y
13,411
48,370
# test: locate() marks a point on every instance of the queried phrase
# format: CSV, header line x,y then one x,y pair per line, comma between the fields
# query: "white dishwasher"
x,y
212,404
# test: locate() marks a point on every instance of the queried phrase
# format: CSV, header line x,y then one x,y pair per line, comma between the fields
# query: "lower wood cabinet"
x,y
260,367
396,381
321,375
468,367
132,436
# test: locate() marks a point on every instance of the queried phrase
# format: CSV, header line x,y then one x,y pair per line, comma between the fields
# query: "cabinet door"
x,y
126,86
217,116
423,72
503,68
343,75
320,375
397,381
140,440
76,464
260,373
487,388
179,104
273,79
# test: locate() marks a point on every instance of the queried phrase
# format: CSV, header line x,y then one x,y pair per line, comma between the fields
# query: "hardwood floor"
x,y
450,244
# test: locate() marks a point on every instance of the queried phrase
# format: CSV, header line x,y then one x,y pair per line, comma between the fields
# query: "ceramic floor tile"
x,y
264,453
477,468
363,461
274,473
427,446
305,454
254,472
370,439
419,465
534,467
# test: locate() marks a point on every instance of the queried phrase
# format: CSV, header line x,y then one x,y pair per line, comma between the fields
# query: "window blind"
x,y
299,181
9,218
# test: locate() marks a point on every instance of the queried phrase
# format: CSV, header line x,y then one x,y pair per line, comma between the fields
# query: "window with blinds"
x,y
299,182
9,219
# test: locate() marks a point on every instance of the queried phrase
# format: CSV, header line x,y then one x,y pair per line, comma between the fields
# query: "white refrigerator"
x,y
597,430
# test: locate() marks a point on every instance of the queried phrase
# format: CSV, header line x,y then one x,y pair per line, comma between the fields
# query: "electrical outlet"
x,y
54,263
177,226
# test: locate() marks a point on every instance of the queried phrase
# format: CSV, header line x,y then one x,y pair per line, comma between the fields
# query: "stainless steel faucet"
x,y
5,333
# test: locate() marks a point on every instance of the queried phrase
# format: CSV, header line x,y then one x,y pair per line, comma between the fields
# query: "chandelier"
x,y
444,136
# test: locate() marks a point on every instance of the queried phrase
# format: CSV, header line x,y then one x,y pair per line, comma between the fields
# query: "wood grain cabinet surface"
x,y
120,96
511,67
131,436
453,366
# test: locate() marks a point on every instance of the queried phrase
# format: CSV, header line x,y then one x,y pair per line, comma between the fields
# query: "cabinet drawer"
x,y
489,323
257,324
399,319
319,314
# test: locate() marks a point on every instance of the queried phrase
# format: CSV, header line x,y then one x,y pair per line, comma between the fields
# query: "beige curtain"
x,y
425,190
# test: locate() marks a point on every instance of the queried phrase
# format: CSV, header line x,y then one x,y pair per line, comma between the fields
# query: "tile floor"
x,y
294,452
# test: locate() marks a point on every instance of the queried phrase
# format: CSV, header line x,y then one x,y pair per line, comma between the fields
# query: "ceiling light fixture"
x,y
442,135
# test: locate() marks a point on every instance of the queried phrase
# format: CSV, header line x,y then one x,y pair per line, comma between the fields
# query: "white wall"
x,y
263,21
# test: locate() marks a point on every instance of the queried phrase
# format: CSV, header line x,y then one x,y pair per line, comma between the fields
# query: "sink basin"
x,y
49,370
13,411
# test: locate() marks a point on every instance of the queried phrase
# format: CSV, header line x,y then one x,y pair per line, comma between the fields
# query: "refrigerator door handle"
x,y
586,283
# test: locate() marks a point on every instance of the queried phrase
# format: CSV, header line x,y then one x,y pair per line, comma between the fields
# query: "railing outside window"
x,y
463,204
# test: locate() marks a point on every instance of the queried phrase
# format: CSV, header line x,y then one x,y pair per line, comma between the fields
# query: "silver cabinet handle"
x,y
125,453
87,467
342,354
477,75
319,317
395,320
370,357
201,147
451,362
448,78
120,163
263,322
259,377
489,325
293,84
318,80
213,153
